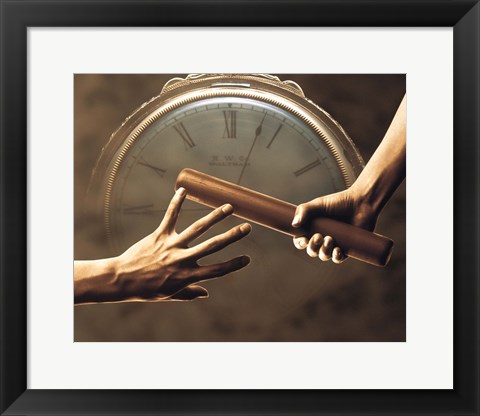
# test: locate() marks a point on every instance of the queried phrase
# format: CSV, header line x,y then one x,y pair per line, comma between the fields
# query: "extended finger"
x,y
338,256
190,293
314,245
326,249
220,241
300,242
171,215
203,224
220,269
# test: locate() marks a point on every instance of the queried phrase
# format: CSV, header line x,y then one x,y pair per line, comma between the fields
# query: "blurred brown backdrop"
x,y
357,302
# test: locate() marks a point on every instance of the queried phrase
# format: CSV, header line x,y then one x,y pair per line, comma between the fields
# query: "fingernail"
x,y
296,220
227,209
245,260
245,228
302,243
181,191
316,238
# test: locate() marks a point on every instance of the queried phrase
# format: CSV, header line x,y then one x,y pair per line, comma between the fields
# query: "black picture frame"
x,y
18,15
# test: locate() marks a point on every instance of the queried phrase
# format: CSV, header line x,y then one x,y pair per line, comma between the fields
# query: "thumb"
x,y
190,293
301,214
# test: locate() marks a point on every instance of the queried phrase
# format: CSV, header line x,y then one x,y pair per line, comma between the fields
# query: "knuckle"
x,y
238,231
218,213
328,242
213,217
160,237
168,216
197,228
212,245
317,240
159,232
212,271
168,257
302,208
230,235
323,255
307,206
219,271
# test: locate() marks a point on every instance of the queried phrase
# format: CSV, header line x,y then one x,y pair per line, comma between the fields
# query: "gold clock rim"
x,y
218,92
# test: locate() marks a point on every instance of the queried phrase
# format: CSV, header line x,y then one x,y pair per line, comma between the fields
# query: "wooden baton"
x,y
278,215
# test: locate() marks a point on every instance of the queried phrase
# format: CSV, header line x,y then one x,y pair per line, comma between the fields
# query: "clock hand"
x,y
258,131
138,209
146,210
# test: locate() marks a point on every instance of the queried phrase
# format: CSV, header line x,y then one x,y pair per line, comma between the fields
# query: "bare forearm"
x,y
95,281
386,169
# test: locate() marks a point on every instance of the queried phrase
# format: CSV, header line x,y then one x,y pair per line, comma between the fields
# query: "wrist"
x,y
117,281
97,281
367,196
366,207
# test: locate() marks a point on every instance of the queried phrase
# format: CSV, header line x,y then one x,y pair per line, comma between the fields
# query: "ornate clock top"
x,y
225,80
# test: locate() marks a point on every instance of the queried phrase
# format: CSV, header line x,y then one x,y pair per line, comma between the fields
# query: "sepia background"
x,y
352,302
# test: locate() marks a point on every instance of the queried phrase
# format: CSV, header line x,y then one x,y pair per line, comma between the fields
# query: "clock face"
x,y
245,141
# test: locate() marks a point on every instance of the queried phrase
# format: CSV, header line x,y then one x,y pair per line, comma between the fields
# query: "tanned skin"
x,y
161,266
363,202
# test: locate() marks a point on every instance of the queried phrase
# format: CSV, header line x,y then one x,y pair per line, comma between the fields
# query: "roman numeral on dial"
x,y
230,119
182,131
148,209
160,172
137,209
274,136
307,168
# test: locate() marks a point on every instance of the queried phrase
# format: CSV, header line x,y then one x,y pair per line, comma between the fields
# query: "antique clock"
x,y
253,130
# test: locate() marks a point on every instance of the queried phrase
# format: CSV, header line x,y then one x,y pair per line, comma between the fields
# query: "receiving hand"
x,y
162,266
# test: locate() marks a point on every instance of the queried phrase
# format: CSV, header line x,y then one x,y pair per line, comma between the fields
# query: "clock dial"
x,y
246,141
